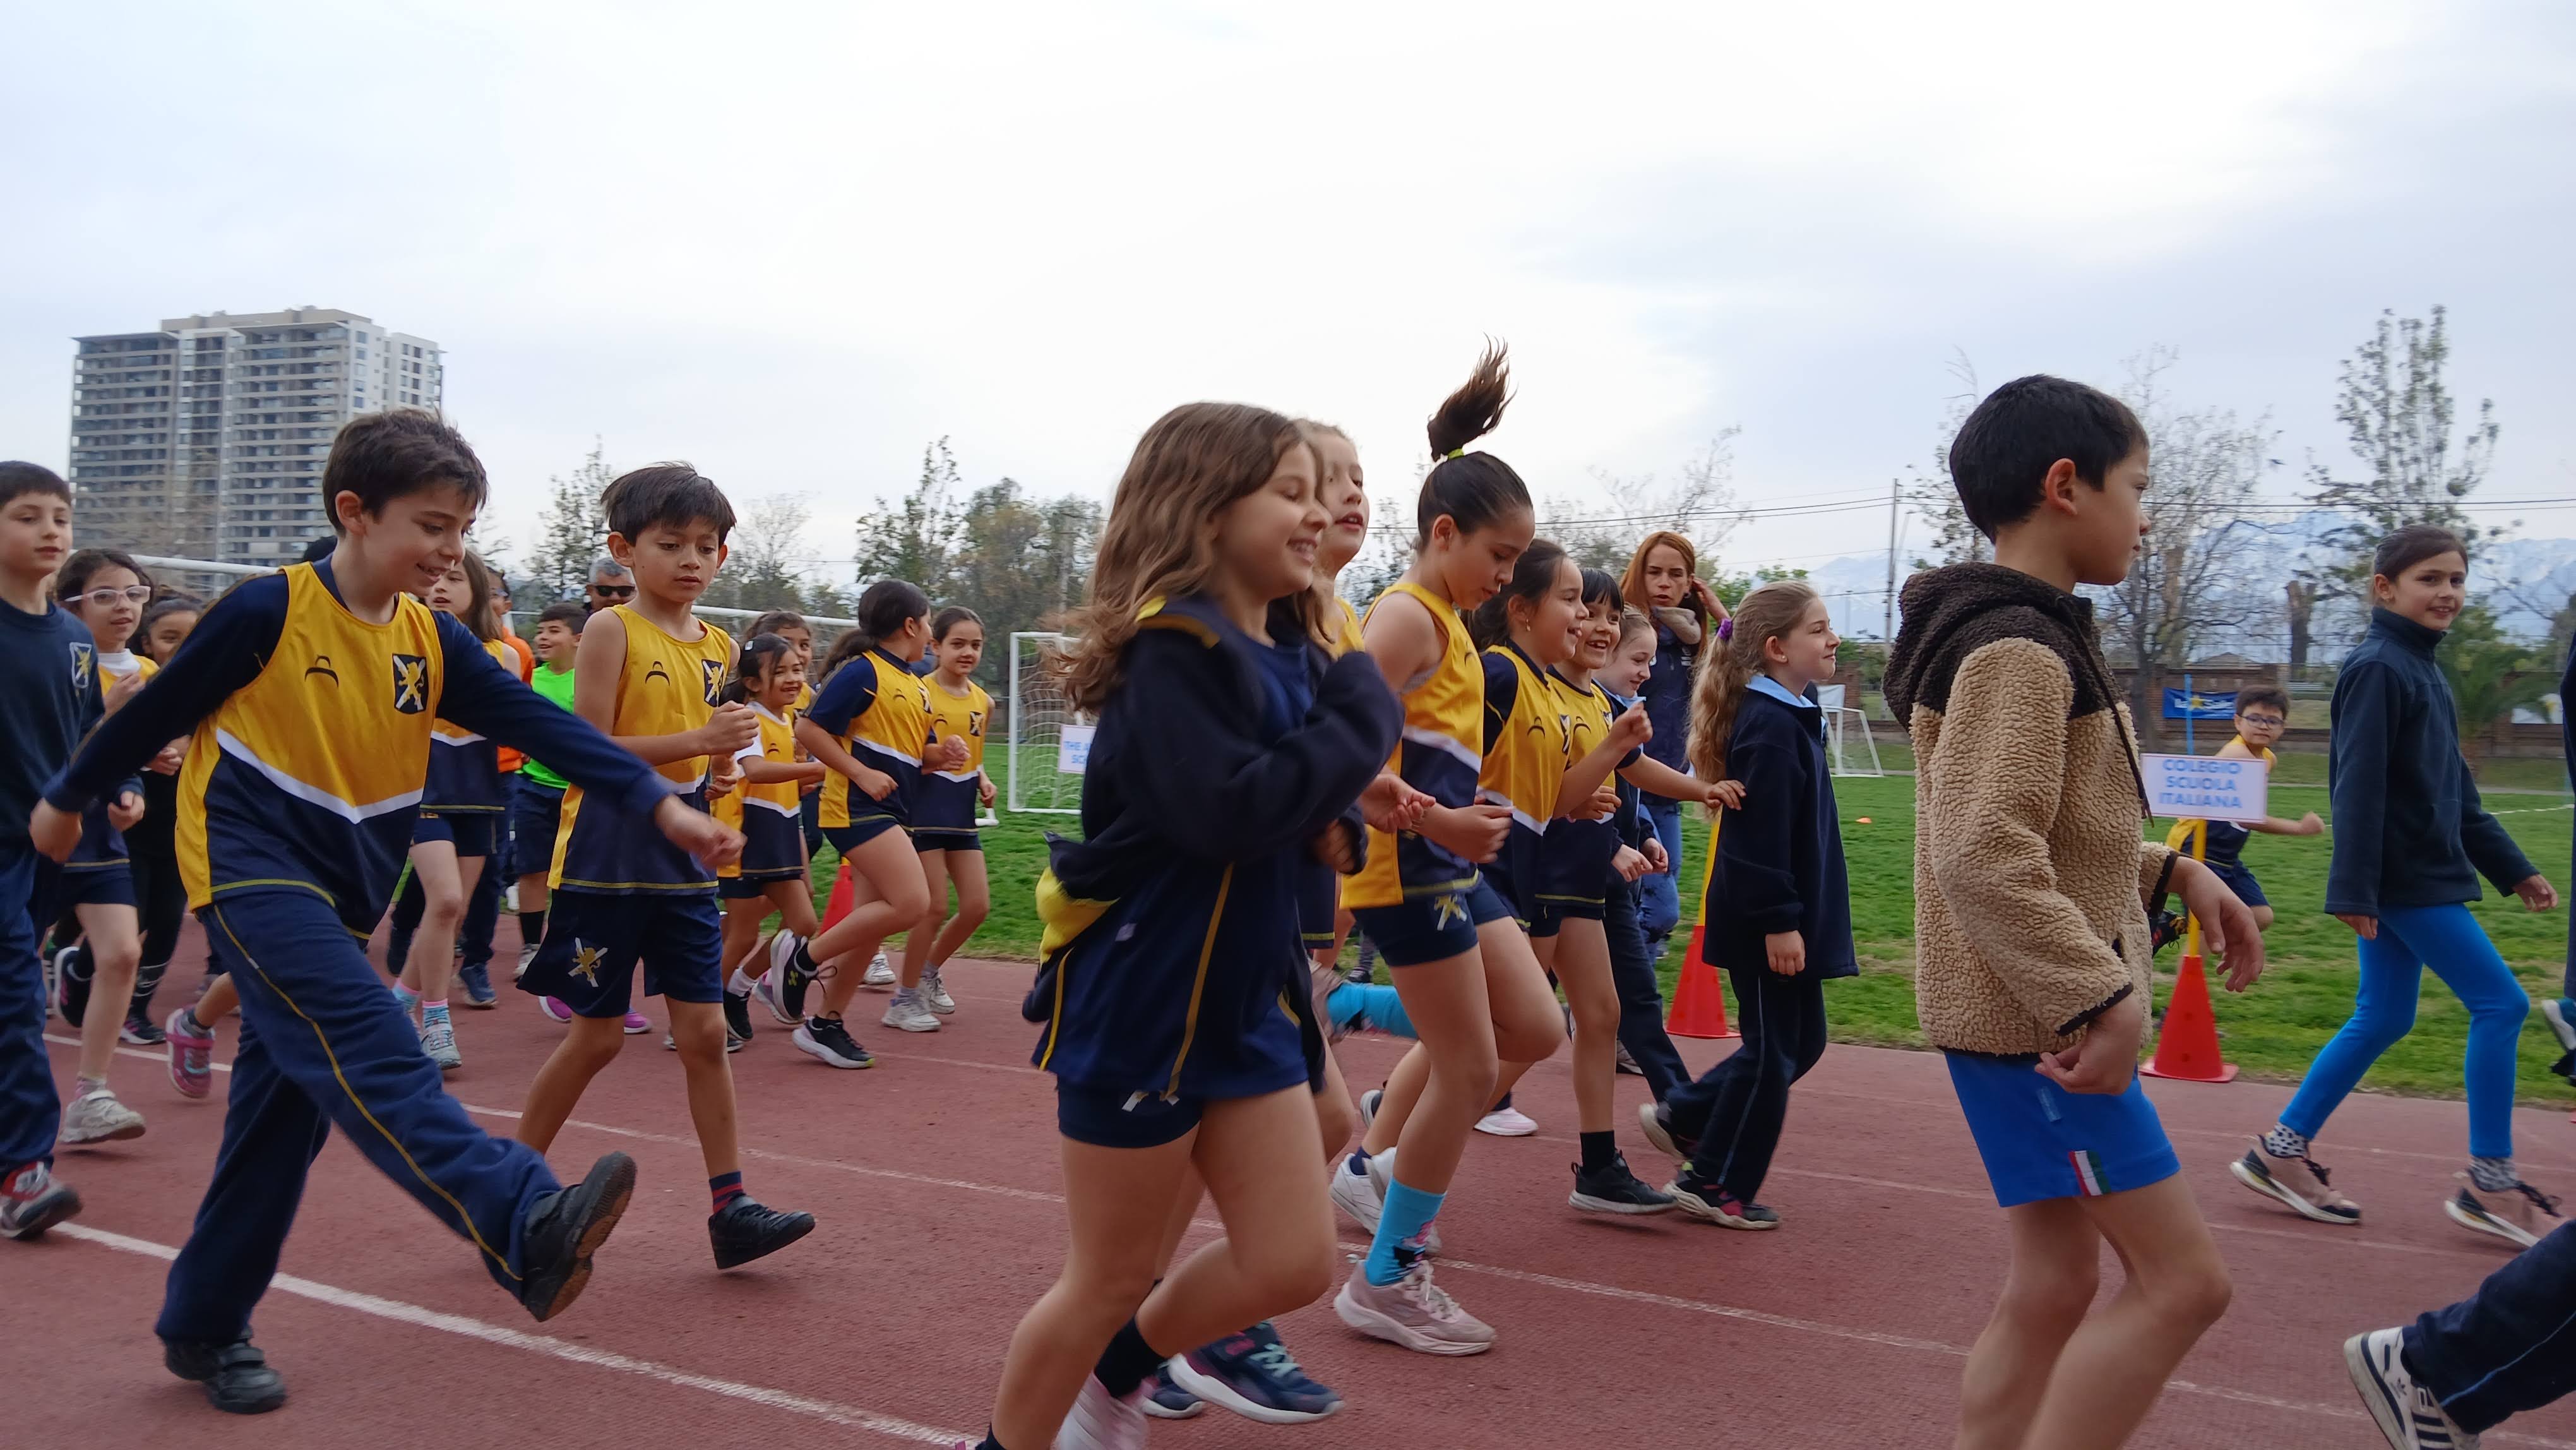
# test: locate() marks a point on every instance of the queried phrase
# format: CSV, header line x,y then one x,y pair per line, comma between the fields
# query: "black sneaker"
x,y
1253,1375
565,1228
827,1039
474,981
72,978
737,1010
1165,1400
796,974
1656,1121
1626,1064
237,1378
141,1031
1703,1199
1616,1190
744,1230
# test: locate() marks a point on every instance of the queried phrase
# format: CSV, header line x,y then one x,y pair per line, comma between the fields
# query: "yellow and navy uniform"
x,y
773,841
2226,847
1173,970
97,873
1348,639
880,712
1526,752
949,801
1438,755
1575,854
465,793
667,686
1319,889
310,742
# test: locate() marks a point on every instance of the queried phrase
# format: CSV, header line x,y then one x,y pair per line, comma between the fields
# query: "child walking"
x,y
1779,906
2262,714
651,676
1227,752
2411,841
771,874
310,694
2033,959
952,798
536,797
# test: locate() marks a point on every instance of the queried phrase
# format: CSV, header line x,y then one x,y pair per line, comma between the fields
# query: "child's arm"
x,y
2308,825
844,698
1649,774
1756,839
1988,811
769,772
1683,624
599,668
2492,851
2366,708
1218,792
1583,779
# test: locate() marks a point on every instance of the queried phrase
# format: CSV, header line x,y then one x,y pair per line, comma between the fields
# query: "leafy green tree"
x,y
916,538
572,532
2490,675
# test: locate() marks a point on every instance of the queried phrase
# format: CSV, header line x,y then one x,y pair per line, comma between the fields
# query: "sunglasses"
x,y
613,591
131,594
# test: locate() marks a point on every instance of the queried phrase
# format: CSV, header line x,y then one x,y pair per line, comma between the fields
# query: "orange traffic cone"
x,y
839,905
2187,1048
1699,1003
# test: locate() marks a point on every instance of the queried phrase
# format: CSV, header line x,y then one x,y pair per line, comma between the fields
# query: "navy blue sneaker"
x,y
1168,1401
1253,1375
474,984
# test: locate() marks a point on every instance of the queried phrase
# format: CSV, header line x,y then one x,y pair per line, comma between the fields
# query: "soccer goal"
x,y
1852,749
1047,743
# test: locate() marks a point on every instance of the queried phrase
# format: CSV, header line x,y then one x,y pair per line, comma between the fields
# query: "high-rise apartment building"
x,y
206,437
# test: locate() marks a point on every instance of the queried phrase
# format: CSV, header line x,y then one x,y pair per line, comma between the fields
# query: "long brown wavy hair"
x,y
1726,666
1195,461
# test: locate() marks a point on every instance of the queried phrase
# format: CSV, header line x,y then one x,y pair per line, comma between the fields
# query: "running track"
x,y
934,1177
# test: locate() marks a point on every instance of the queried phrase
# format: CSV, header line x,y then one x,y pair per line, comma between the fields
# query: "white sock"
x,y
740,983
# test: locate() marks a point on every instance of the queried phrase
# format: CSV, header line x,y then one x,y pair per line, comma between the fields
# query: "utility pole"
x,y
1892,496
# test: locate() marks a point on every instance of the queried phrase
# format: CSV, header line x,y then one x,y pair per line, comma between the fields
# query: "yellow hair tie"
x,y
1453,453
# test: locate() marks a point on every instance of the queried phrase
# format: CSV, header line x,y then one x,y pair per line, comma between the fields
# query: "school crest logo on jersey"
x,y
714,682
84,664
586,960
411,683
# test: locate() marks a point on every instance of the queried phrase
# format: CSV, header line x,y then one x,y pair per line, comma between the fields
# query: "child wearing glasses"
x,y
2262,715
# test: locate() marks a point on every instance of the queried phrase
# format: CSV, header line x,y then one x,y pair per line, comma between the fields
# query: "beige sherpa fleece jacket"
x,y
2030,879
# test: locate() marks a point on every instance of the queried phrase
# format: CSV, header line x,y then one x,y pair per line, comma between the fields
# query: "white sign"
x,y
1073,749
2206,787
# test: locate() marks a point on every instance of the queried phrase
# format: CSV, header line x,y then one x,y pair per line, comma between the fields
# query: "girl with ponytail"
x,y
769,676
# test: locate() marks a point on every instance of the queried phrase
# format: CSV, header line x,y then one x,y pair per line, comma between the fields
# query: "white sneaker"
x,y
2559,1026
527,954
1358,1194
934,993
1412,1311
1368,1107
97,1117
438,1039
1100,1420
908,1013
880,972
1507,1123
2405,1411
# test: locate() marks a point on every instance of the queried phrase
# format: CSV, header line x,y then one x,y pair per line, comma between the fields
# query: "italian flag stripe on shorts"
x,y
2088,1173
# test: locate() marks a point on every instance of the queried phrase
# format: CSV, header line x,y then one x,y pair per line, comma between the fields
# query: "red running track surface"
x,y
934,1176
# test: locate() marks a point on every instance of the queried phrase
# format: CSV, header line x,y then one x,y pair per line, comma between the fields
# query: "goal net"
x,y
1046,743
1850,747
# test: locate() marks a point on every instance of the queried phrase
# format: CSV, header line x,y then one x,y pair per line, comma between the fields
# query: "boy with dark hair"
x,y
309,695
2033,968
2262,715
536,801
649,675
49,694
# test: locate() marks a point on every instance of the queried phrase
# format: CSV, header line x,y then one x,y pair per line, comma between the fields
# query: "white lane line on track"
x,y
851,1416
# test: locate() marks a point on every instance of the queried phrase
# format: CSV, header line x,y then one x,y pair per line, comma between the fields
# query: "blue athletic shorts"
x,y
109,883
1109,1118
1430,928
935,838
851,837
2240,881
2040,1141
594,942
536,811
469,831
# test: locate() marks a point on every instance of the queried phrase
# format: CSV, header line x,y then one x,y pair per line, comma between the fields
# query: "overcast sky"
x,y
791,243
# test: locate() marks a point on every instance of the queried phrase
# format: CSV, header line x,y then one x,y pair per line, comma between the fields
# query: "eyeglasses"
x,y
613,591
2268,722
131,594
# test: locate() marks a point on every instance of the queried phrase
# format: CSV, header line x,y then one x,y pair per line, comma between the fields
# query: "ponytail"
x,y
1473,489
1729,659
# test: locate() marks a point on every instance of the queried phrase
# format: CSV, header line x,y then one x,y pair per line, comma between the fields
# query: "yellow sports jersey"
x,y
958,717
1438,755
1349,639
667,686
766,812
310,775
465,768
1526,766
1587,715
109,676
880,712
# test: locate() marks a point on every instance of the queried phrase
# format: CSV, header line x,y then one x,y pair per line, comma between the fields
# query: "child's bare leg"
x,y
220,1001
795,907
1583,970
887,871
116,954
699,1031
589,1045
922,937
1257,1157
741,932
443,885
974,903
2056,1267
1334,1115
1396,1100
2119,1359
1185,1209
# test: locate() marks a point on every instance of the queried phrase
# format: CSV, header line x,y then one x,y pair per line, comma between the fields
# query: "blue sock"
x,y
1400,1226
1369,1005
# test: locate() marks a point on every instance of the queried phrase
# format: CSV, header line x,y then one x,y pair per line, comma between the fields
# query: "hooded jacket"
x,y
2030,878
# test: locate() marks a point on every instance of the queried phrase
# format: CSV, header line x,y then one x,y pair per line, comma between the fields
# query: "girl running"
x,y
97,979
770,677
871,725
952,799
790,626
1779,905
1464,971
2411,839
460,803
1228,753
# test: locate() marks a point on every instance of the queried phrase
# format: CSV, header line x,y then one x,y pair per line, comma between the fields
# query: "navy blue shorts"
x,y
773,846
2240,881
1522,904
930,838
851,837
594,942
536,812
1319,899
1430,928
109,883
1110,1118
470,831
745,888
2040,1141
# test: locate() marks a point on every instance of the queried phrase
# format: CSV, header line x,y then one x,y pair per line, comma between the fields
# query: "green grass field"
x,y
2271,1032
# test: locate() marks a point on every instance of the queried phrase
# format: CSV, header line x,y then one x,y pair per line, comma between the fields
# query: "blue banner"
x,y
2199,705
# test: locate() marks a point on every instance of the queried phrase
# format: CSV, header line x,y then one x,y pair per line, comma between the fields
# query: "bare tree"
x,y
765,570
572,532
1931,495
1602,530
2399,416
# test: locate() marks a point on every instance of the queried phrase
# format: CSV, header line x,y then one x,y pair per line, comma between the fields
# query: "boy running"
x,y
2262,715
309,695
2030,882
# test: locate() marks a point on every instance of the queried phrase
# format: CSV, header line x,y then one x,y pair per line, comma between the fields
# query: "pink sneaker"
x,y
637,1024
192,1057
1412,1312
554,1009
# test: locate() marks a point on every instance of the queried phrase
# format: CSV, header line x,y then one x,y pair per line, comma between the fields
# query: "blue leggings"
x,y
2447,939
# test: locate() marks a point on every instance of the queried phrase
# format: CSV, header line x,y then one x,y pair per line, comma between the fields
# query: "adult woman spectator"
x,y
1663,579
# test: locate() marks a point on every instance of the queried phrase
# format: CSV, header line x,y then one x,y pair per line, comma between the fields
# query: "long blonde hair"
x,y
1195,461
1728,663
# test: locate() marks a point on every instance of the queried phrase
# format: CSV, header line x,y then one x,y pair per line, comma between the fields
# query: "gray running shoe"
x,y
97,1117
934,992
438,1039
